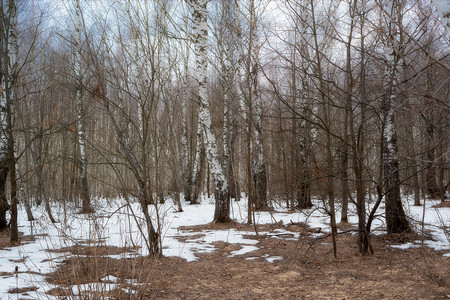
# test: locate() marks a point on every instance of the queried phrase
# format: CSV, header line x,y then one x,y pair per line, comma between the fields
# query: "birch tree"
x,y
396,221
9,66
200,37
248,70
5,87
258,165
80,110
226,48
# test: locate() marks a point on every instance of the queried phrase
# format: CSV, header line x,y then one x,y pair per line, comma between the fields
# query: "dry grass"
x,y
308,271
23,290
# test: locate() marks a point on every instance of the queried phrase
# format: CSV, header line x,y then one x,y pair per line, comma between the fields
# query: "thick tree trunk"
x,y
4,205
396,221
187,165
357,136
9,53
258,164
13,185
326,107
152,235
221,189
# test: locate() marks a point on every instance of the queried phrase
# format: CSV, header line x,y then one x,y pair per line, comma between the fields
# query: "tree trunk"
x,y
432,187
199,173
4,205
221,189
258,164
347,111
84,188
396,221
326,107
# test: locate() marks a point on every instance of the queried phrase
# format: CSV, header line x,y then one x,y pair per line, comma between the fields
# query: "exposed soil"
x,y
23,290
442,204
307,271
5,236
97,250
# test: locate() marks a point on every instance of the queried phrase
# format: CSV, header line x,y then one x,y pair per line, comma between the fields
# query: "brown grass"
x,y
308,271
23,290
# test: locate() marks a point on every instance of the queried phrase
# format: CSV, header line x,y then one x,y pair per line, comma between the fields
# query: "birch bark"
x,y
221,192
8,73
258,165
395,216
84,188
187,165
4,206
7,157
226,46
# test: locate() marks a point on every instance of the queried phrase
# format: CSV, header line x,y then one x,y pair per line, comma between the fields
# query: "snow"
x,y
115,225
272,259
443,8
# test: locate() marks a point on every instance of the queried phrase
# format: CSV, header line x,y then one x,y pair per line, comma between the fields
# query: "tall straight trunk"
x,y
326,106
187,165
357,135
12,52
12,177
4,167
306,130
411,149
226,52
299,177
228,138
4,205
246,110
221,191
83,164
347,111
396,221
258,165
8,73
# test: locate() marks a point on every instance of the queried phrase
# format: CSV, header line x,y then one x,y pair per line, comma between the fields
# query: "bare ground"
x,y
307,271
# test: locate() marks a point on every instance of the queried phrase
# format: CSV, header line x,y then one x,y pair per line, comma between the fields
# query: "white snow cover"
x,y
113,225
443,8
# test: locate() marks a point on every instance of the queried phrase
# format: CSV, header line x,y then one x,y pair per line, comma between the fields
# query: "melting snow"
x,y
114,225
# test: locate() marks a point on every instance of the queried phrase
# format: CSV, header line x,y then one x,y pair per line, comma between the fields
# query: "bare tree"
x,y
221,189
80,109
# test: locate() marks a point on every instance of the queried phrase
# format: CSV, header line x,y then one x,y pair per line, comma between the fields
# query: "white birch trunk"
x,y
5,86
395,216
80,110
9,73
222,203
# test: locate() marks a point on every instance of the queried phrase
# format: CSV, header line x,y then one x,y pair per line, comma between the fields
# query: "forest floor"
x,y
285,260
308,271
